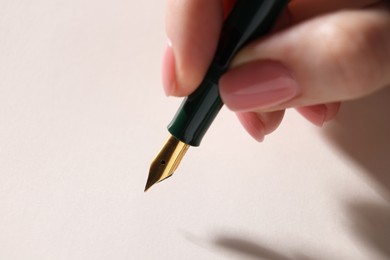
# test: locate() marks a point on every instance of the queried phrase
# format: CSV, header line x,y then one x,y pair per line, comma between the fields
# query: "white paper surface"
x,y
82,114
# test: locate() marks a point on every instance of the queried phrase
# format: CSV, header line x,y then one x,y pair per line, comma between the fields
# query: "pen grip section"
x,y
196,114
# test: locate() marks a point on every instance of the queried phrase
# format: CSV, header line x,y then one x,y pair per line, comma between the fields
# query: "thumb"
x,y
335,57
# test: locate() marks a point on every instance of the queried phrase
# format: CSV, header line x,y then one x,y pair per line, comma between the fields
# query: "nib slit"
x,y
166,161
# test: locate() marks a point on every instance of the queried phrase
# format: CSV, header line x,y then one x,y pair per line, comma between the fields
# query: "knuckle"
x,y
351,55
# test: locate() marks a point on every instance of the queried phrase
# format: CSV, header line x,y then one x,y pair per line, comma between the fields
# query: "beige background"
x,y
82,114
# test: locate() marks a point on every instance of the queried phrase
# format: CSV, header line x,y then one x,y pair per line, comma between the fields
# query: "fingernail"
x,y
168,70
253,125
331,111
316,114
258,85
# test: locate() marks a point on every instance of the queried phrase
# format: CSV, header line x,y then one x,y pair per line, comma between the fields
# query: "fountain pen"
x,y
249,19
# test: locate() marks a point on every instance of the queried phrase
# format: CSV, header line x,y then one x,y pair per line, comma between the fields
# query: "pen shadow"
x,y
255,250
361,131
246,248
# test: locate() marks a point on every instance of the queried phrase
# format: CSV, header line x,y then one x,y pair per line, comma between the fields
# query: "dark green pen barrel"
x,y
249,19
196,113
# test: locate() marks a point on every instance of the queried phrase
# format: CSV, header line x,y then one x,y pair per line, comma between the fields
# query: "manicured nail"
x,y
320,114
316,114
253,125
169,70
331,110
258,85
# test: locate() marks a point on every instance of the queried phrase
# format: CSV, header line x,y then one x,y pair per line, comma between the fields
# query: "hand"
x,y
320,53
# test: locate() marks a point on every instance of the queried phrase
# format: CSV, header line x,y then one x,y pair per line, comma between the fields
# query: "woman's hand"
x,y
320,53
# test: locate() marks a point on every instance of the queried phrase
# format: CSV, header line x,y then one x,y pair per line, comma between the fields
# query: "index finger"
x,y
193,28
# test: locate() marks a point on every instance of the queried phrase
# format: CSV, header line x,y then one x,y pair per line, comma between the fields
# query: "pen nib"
x,y
166,161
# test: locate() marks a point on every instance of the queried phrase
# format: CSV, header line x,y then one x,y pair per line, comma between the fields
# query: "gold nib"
x,y
167,161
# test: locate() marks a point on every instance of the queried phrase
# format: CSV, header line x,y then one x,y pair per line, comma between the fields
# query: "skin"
x,y
320,53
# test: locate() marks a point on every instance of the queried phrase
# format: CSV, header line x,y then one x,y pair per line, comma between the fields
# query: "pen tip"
x,y
148,185
166,162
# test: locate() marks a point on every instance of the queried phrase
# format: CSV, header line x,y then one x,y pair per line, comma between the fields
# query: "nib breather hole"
x,y
162,162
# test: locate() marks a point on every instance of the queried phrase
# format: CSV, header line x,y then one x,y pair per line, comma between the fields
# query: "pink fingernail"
x,y
252,125
257,85
319,114
316,114
168,70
